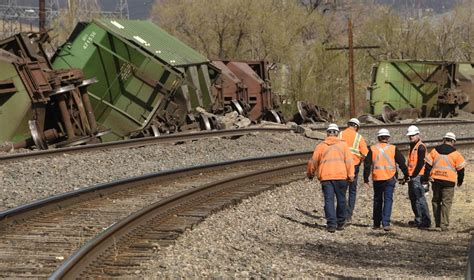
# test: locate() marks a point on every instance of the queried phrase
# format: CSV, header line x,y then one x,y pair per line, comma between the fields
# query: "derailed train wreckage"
x,y
116,79
38,104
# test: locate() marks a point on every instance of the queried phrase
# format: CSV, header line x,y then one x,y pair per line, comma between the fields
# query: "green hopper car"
x,y
149,82
436,88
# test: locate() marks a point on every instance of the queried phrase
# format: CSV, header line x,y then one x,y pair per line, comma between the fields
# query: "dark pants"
x,y
351,201
441,202
416,193
334,188
383,200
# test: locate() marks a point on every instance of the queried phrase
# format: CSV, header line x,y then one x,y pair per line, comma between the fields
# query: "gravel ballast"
x,y
281,234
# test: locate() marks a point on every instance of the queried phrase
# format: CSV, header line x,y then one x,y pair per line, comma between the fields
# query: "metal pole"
x,y
351,70
42,15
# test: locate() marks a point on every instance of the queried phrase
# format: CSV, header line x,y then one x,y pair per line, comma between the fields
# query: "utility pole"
x,y
351,69
351,48
42,15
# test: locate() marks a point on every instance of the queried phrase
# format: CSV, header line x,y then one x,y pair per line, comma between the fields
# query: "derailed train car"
x,y
140,81
244,86
429,88
40,106
148,81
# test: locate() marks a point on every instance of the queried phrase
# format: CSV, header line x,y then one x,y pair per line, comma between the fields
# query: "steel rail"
x,y
385,125
75,265
64,199
171,138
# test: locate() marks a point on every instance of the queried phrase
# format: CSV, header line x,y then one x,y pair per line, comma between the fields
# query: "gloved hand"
x,y
310,176
350,179
426,186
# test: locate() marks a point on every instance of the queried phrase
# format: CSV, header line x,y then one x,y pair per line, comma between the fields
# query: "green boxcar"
x,y
402,84
146,77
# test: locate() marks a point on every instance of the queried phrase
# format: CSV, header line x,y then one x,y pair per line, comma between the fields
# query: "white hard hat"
x,y
383,132
333,126
412,130
450,135
354,121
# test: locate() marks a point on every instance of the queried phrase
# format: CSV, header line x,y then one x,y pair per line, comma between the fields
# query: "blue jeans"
x,y
383,200
416,193
334,215
351,201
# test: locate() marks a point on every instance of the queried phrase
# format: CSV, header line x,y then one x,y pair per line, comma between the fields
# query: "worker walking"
x,y
332,164
416,168
358,148
445,167
380,161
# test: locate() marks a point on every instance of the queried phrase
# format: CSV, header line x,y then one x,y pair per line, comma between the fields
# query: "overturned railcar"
x,y
40,106
435,88
247,89
149,82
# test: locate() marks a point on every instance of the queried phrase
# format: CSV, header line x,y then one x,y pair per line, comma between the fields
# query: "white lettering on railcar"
x,y
88,39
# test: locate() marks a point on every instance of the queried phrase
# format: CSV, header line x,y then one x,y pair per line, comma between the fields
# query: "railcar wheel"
x,y
37,135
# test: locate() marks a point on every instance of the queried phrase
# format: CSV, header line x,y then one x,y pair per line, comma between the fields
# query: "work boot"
x,y
331,229
341,227
376,227
387,228
412,223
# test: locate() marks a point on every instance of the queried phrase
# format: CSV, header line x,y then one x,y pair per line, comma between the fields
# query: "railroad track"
x,y
172,138
37,237
48,231
189,136
121,249
420,124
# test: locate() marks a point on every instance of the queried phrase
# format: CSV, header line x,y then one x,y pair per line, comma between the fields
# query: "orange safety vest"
x,y
413,159
383,161
356,144
445,167
331,160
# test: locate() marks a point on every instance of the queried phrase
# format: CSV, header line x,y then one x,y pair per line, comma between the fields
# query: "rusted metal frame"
x,y
74,265
83,122
65,115
53,202
172,138
88,108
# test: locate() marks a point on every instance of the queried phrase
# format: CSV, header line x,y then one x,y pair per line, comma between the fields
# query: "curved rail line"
x,y
51,229
119,250
40,220
171,138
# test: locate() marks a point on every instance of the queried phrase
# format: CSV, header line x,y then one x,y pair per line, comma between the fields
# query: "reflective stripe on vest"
x,y
328,150
354,148
382,171
413,159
